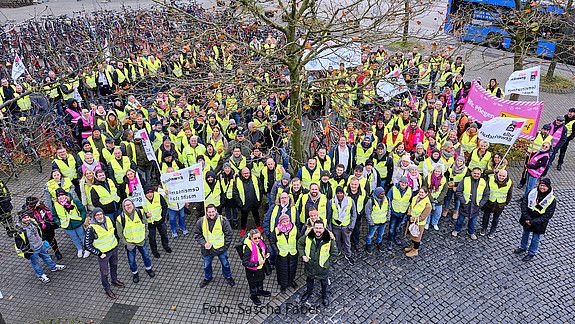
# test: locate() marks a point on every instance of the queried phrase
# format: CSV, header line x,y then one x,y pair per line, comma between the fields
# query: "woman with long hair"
x,y
254,257
418,211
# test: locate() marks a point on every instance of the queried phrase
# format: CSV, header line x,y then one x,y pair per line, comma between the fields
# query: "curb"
x,y
558,91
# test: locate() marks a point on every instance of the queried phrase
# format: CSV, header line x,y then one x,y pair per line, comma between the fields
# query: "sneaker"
x,y
519,251
86,254
491,235
473,237
482,232
243,232
174,235
435,227
185,233
136,278
350,260
204,283
389,246
369,249
79,254
261,229
426,226
230,281
59,267
454,233
44,278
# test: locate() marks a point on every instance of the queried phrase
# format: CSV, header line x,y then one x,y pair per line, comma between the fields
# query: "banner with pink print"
x,y
483,106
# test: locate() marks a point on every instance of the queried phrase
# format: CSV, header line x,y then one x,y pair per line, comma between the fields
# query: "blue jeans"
x,y
435,215
534,246
451,196
530,183
470,223
43,254
177,218
395,221
145,256
77,235
380,229
226,269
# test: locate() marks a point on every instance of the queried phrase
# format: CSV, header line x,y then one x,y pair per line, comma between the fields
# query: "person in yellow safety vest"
x,y
132,230
376,212
473,193
393,138
98,140
537,209
364,150
227,179
436,182
23,102
570,126
399,197
121,76
500,193
213,233
176,66
323,159
156,209
458,67
153,65
254,255
469,140
480,157
67,164
318,250
104,195
269,175
212,191
30,245
104,80
284,240
237,161
117,168
445,78
309,173
190,152
494,89
247,196
424,77
101,241
418,212
313,200
342,216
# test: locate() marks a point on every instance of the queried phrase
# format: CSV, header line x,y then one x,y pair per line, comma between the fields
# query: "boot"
x,y
136,277
445,212
412,253
455,215
369,249
324,295
261,291
409,248
254,296
558,167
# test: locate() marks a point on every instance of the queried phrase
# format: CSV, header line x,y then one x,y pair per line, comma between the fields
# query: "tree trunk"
x,y
405,22
551,70
520,39
296,115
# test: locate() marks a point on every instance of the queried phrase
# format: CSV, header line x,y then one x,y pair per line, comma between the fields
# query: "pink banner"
x,y
482,106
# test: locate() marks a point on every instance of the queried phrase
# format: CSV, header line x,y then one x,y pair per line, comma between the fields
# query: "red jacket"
x,y
412,138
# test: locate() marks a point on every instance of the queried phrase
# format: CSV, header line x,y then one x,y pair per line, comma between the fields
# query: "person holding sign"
x,y
156,209
214,234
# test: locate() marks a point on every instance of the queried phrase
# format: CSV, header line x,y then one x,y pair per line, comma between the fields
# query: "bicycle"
x,y
325,136
8,169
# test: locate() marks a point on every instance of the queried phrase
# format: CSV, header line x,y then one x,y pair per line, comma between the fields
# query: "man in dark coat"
x,y
317,258
536,211
500,193
6,210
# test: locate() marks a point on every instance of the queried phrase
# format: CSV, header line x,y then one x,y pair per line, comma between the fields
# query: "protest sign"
x,y
483,106
185,185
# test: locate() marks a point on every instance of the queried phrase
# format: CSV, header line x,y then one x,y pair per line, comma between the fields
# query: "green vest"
x,y
287,244
106,240
216,235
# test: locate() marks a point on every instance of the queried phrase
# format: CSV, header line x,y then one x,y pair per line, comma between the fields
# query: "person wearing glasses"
x,y
254,258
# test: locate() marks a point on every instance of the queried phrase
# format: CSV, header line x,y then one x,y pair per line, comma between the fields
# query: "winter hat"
x,y
31,201
210,174
420,145
109,140
60,192
84,142
378,191
325,173
148,188
403,179
473,125
338,189
286,176
546,182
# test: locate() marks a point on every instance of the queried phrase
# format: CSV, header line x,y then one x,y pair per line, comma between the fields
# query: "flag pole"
x,y
503,158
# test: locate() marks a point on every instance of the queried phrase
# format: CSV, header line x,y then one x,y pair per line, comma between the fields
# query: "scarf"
x,y
413,181
255,257
458,169
132,184
91,166
66,205
435,182
536,198
447,155
285,229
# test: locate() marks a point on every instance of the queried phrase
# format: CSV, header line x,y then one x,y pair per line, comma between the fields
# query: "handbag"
x,y
414,228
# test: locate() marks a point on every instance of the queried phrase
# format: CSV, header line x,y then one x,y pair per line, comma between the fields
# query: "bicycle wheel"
x,y
7,167
313,146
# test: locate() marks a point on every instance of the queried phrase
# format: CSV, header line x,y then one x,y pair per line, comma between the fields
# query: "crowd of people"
x,y
420,162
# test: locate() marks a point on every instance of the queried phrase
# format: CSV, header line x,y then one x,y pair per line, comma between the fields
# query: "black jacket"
x,y
538,221
200,239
